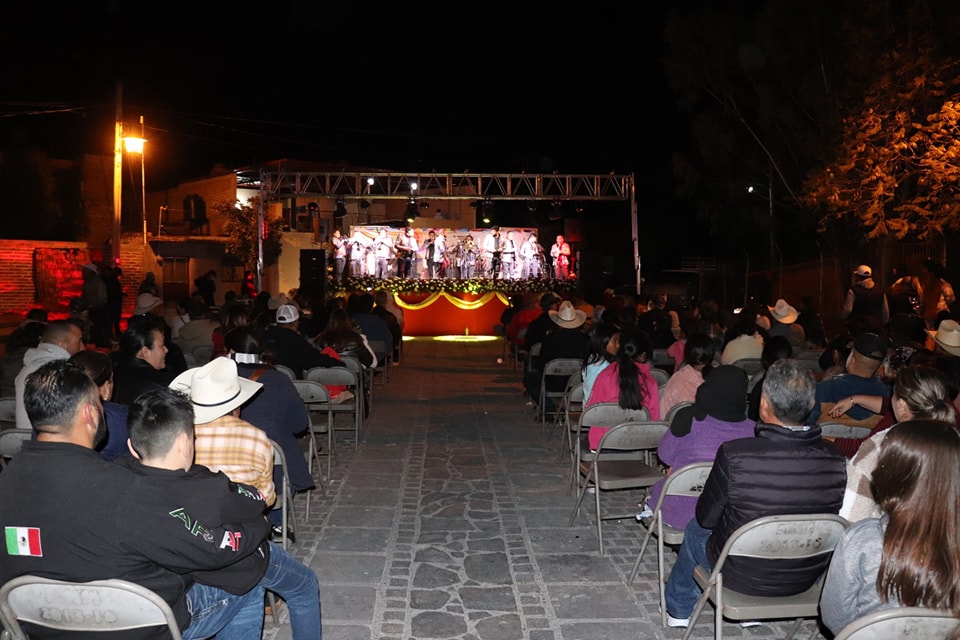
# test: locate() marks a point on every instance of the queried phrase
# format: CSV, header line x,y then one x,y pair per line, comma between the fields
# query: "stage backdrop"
x,y
434,314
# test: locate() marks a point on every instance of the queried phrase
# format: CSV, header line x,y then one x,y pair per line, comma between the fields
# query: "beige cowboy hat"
x,y
215,389
568,317
783,312
948,337
146,302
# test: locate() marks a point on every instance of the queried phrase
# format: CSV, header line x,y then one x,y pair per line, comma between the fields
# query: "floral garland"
x,y
477,286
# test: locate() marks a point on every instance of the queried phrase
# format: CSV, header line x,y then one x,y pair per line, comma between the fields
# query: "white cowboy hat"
x,y
783,312
948,337
146,302
215,389
568,317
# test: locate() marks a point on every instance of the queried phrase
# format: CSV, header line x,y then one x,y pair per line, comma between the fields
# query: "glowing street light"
x,y
136,145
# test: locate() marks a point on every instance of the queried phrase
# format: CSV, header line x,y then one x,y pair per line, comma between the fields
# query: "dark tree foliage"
x,y
777,91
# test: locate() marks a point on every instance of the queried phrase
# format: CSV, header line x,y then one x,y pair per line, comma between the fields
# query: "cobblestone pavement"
x,y
451,521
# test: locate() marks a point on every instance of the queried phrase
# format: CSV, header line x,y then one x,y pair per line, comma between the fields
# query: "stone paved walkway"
x,y
450,521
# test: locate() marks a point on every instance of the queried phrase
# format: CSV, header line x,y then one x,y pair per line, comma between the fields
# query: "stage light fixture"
x,y
365,204
556,212
411,213
341,209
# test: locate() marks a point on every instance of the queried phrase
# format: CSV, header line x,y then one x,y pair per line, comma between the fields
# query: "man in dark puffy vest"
x,y
786,469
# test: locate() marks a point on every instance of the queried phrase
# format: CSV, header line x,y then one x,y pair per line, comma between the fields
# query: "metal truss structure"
x,y
390,185
387,185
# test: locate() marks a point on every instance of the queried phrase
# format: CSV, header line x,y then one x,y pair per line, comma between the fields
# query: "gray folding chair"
x,y
287,371
830,429
285,498
101,606
900,623
316,400
750,365
11,440
352,407
556,368
685,481
570,422
675,409
621,462
601,414
774,538
364,374
8,413
384,368
660,376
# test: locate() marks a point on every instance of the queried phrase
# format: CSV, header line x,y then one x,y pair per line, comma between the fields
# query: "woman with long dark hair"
x,y
910,556
698,355
342,336
604,343
627,381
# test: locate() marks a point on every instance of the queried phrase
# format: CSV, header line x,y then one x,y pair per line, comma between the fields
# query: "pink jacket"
x,y
606,388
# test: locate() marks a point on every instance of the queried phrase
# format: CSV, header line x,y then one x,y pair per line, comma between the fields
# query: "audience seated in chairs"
x,y
141,362
786,469
696,433
566,341
627,381
910,555
99,367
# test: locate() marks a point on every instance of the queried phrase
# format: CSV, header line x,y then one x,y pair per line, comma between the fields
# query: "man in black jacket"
x,y
76,517
786,469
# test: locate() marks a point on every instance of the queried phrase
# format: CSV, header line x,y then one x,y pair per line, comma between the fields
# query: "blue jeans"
x,y
214,611
682,591
297,584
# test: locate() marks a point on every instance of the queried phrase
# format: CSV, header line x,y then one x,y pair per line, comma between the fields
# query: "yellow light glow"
x,y
467,338
134,145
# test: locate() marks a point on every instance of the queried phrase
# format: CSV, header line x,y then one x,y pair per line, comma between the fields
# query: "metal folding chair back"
x,y
686,481
11,440
601,414
675,409
101,606
8,413
556,368
773,538
287,371
660,376
285,498
901,623
832,429
316,400
570,422
354,406
625,459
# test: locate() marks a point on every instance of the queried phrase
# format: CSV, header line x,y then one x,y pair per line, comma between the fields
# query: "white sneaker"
x,y
677,623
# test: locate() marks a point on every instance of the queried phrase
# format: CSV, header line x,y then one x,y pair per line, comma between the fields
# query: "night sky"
x,y
497,88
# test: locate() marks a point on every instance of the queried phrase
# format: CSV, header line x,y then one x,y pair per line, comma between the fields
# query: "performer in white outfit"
x,y
383,250
531,253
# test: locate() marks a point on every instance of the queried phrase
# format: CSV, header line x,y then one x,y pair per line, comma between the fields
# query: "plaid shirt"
x,y
242,451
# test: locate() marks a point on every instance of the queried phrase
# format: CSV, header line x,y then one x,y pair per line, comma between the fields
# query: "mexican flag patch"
x,y
23,541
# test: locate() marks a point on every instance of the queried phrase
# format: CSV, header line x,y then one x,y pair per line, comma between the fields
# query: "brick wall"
x,y
214,190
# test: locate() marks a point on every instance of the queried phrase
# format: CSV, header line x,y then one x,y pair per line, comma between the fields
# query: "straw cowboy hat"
x,y
948,337
215,389
568,317
783,312
146,302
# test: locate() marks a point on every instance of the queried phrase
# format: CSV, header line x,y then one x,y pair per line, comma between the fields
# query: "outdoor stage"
x,y
455,307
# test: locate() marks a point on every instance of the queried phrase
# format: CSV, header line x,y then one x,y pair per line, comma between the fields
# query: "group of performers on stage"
x,y
445,254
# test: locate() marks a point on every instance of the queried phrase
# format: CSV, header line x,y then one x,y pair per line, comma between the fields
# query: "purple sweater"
x,y
700,445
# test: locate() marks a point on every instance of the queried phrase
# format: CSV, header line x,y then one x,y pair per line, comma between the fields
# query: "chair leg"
x,y
697,610
576,507
794,629
596,499
272,603
643,547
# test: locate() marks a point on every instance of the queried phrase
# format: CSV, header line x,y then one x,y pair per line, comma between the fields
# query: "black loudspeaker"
x,y
313,272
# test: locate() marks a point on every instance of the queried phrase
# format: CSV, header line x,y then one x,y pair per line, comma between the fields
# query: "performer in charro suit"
x,y
406,248
531,253
560,252
339,255
492,252
384,251
433,254
358,253
468,258
510,257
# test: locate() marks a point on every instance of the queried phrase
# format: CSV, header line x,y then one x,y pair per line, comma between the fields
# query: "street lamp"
x,y
136,145
773,244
